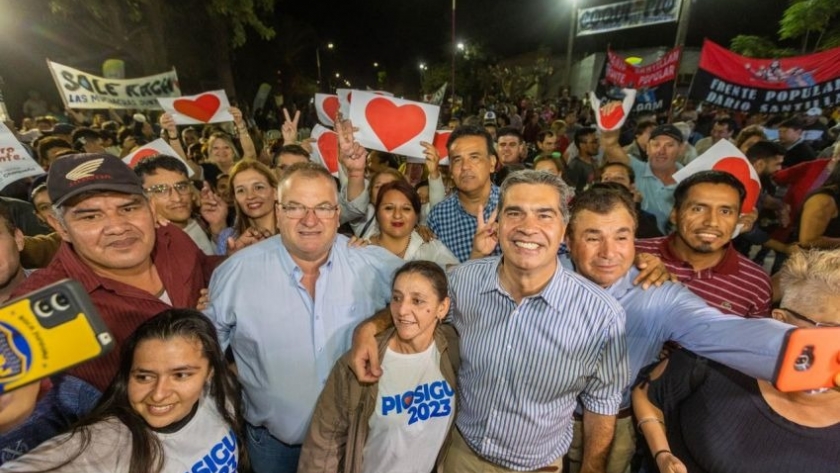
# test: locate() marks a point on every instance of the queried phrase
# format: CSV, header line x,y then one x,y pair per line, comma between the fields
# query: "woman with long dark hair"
x,y
172,407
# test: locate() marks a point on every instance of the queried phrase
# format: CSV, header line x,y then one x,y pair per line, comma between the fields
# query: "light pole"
x,y
570,46
330,46
453,54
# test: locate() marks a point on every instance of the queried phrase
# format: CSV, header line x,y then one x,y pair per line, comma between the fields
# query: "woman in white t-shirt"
x,y
402,422
172,407
397,213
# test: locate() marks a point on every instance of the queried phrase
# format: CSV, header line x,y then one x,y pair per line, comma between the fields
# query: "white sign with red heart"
x,y
325,148
206,107
326,107
439,142
393,125
612,116
345,96
158,146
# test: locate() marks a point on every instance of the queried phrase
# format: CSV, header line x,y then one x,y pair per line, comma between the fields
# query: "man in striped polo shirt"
x,y
706,212
535,339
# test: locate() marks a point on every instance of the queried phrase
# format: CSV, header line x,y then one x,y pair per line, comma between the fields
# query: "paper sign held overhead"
x,y
612,115
15,162
724,156
393,125
325,148
158,146
326,107
206,107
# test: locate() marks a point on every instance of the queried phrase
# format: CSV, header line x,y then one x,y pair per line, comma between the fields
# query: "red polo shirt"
x,y
182,267
735,285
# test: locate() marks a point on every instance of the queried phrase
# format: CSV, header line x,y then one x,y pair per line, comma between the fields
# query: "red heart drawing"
x,y
349,97
143,153
440,143
202,108
611,119
328,148
739,168
394,125
331,107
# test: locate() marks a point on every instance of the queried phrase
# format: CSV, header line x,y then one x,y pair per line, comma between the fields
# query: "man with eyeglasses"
x,y
287,156
130,269
287,307
172,194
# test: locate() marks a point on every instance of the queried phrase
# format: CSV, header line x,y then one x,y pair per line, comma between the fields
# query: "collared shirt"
x,y
284,342
735,285
182,267
657,197
672,312
456,227
524,366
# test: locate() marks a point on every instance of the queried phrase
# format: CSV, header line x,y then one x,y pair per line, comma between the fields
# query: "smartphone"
x,y
48,331
810,359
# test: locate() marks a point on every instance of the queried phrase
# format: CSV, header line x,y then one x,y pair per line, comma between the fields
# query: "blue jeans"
x,y
269,455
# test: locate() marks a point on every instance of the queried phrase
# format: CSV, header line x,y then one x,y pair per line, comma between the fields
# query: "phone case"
x,y
810,359
48,331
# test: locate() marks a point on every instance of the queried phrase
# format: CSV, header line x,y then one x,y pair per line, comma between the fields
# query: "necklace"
x,y
401,254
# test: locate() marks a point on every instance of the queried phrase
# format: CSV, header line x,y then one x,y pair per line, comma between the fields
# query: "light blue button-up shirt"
x,y
657,198
523,366
284,342
672,312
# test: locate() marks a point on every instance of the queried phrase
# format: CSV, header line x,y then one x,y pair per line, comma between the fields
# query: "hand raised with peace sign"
x,y
486,237
289,129
352,155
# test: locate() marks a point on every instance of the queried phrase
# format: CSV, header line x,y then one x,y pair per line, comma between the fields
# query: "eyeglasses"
x,y
163,190
297,211
798,316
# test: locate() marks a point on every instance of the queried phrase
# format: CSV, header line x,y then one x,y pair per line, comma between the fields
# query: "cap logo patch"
x,y
84,170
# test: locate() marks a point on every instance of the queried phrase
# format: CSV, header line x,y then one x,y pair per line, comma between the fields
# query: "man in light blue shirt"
x,y
654,178
287,307
601,244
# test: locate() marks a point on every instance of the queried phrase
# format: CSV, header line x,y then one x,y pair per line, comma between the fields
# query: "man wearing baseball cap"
x,y
654,178
130,269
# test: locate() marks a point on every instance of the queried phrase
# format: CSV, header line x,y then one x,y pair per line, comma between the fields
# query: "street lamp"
x,y
330,46
460,46
375,64
570,46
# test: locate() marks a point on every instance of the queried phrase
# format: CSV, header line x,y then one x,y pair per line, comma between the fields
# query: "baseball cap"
x,y
74,174
490,118
668,130
60,129
814,112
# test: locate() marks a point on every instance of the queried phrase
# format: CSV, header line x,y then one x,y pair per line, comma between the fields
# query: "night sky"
x,y
397,34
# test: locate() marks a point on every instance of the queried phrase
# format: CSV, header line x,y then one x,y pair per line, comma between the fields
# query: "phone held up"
x,y
809,360
48,331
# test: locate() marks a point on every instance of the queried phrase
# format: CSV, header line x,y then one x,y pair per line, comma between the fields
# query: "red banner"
x,y
622,74
792,84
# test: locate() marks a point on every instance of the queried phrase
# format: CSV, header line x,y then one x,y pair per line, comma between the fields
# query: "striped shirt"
x,y
455,227
523,367
734,286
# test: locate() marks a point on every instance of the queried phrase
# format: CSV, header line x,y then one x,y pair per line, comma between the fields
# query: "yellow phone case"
x,y
48,331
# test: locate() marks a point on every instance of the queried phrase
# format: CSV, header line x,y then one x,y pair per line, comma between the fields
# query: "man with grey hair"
x,y
287,306
535,338
130,269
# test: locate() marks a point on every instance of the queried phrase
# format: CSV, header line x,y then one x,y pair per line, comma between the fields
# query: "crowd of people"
x,y
552,299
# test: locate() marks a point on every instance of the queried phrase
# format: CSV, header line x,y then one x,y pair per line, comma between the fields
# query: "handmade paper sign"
x,y
158,146
326,106
393,125
725,156
206,107
345,96
612,115
325,148
15,161
441,137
